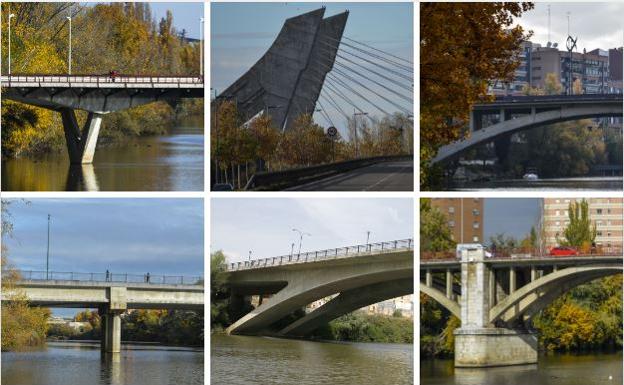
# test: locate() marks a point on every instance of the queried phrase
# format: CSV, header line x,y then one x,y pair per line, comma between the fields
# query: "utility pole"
x,y
48,251
367,238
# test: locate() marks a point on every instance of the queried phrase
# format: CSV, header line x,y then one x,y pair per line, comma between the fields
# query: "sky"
x,y
241,33
597,25
510,216
186,15
264,226
159,236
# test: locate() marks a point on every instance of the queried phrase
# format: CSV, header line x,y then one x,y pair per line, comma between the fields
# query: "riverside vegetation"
x,y
588,317
114,36
353,327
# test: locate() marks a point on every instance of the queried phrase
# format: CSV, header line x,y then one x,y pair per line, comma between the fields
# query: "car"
x,y
561,251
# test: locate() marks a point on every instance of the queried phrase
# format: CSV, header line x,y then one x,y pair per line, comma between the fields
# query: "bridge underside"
x,y
82,141
531,120
373,279
287,80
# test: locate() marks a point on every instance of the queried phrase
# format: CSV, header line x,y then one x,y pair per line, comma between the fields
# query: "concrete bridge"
x,y
360,275
517,113
496,298
112,295
98,95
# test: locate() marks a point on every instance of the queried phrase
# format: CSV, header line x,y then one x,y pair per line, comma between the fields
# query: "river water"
x,y
555,184
173,162
79,363
239,360
558,369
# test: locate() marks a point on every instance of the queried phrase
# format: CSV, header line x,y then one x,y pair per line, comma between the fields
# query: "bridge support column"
x,y
111,331
80,143
477,342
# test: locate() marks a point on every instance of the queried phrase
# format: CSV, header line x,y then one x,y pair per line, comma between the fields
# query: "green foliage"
x,y
580,232
105,36
361,327
219,301
435,234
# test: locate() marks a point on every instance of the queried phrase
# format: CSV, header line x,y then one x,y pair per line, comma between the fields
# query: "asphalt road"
x,y
385,176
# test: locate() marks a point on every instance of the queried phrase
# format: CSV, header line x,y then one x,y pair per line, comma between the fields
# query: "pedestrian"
x,y
147,278
107,275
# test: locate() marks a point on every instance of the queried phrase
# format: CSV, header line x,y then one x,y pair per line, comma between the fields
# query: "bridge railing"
x,y
525,252
320,255
97,80
31,275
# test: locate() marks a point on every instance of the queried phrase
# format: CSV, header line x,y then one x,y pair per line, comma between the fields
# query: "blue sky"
x,y
511,216
242,32
160,236
264,226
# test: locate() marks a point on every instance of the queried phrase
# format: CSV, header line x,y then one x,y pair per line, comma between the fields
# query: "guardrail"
x,y
97,80
32,275
279,180
321,255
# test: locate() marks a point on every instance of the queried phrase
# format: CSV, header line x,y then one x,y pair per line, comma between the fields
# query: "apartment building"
x,y
606,213
465,217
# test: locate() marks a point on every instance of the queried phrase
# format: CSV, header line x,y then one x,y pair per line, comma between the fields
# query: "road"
x,y
386,176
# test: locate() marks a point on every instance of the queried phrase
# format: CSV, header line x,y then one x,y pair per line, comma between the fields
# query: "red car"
x,y
561,251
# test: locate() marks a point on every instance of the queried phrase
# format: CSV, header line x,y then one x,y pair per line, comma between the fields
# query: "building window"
x,y
598,211
451,209
451,223
599,233
557,223
475,239
475,212
475,225
557,213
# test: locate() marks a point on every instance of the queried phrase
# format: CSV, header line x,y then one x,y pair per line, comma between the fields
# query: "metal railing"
x,y
320,255
98,80
521,252
32,275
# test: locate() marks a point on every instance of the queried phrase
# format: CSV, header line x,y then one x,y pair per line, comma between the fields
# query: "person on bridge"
x,y
108,278
147,278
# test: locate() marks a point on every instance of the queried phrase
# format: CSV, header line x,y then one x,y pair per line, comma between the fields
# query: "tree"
x,y
218,279
435,234
577,87
552,85
580,232
463,47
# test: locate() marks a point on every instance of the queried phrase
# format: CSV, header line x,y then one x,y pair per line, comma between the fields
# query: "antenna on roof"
x,y
548,23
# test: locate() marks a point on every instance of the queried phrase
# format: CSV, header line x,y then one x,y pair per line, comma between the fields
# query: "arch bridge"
x,y
496,298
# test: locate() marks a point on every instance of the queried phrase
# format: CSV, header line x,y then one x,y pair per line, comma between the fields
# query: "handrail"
x,y
327,254
33,275
43,80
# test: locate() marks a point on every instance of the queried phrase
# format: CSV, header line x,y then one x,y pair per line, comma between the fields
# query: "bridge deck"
x,y
100,81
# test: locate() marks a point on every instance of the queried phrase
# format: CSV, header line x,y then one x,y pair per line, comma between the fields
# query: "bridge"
x,y
496,298
360,275
111,294
513,114
98,95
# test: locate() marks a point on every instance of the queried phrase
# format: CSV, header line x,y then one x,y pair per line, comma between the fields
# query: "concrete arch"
x,y
536,295
349,301
532,120
308,282
442,299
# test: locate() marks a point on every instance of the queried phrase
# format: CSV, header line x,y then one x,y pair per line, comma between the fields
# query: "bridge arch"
x,y
442,299
533,297
526,122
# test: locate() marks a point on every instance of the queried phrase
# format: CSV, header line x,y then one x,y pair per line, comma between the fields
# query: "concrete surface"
x,y
385,176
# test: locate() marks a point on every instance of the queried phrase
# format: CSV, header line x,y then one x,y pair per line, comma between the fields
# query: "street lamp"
x,y
367,238
48,252
301,234
355,114
12,15
69,60
201,48
250,255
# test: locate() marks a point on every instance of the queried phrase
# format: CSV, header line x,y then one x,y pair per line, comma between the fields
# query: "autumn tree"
x,y
435,233
552,85
577,87
580,232
463,47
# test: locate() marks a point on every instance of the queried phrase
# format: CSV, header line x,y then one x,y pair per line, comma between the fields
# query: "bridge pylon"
x,y
478,343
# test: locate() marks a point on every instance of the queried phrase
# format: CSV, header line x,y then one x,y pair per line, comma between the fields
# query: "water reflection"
x,y
161,163
111,369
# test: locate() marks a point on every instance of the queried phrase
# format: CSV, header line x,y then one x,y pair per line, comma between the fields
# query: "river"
x,y
554,369
81,363
239,360
554,184
173,162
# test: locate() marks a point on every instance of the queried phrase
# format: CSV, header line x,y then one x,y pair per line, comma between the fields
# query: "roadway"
x,y
385,176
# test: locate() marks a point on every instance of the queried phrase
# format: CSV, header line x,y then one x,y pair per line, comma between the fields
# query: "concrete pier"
x,y
485,347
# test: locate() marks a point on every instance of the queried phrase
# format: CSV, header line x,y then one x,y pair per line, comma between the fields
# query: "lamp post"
x,y
355,114
201,47
301,234
367,238
12,15
69,59
48,250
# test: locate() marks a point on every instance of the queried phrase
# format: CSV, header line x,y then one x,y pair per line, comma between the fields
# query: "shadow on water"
x,y
161,163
